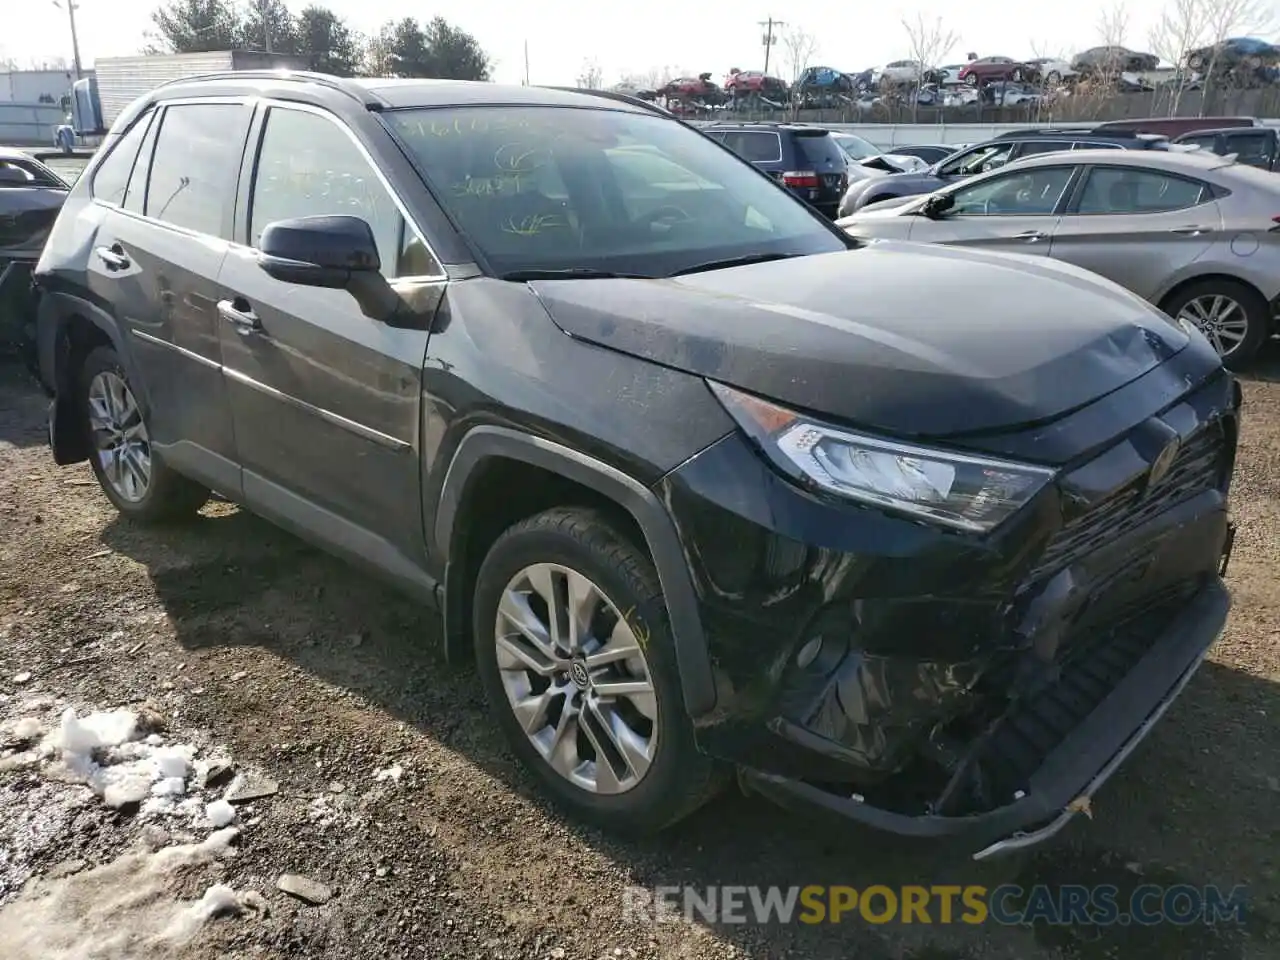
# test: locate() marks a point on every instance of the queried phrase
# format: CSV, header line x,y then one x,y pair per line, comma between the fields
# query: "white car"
x,y
901,71
867,160
950,74
1054,71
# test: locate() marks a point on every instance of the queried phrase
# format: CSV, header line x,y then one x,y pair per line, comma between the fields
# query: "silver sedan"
x,y
1194,233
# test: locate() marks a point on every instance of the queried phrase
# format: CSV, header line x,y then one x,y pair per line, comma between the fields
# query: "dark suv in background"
x,y
700,482
805,159
986,156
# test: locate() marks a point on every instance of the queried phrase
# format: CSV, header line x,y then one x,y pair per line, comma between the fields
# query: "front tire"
x,y
1233,316
138,484
577,658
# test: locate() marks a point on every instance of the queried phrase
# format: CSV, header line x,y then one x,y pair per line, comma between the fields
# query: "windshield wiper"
x,y
733,262
573,273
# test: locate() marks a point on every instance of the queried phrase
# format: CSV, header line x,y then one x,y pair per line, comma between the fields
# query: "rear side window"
x,y
758,146
193,170
1032,147
1125,190
1095,145
1204,143
822,153
111,179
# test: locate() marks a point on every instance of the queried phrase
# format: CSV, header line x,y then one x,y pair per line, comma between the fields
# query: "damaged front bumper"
x,y
1063,785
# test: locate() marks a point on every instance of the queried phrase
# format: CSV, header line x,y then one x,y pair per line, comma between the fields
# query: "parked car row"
x,y
696,478
1192,232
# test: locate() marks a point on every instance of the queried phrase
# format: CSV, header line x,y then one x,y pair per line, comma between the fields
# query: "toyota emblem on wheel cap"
x,y
578,673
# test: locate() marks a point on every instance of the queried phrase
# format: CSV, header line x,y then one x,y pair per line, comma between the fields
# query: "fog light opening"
x,y
809,652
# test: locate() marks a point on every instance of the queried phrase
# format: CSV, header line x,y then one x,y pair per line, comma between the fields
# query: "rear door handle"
x,y
1031,236
240,315
113,256
1190,231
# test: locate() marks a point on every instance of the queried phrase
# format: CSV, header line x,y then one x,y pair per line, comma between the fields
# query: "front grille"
x,y
1198,467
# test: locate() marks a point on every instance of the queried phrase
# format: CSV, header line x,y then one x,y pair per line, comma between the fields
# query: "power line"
x,y
769,38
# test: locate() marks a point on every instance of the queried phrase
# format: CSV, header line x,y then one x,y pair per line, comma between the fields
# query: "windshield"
x,y
555,188
855,146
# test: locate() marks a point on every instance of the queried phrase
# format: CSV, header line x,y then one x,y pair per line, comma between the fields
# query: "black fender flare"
x,y
655,523
55,309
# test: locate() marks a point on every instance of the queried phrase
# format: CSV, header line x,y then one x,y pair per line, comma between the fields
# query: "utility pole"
x,y
263,7
72,6
526,63
769,38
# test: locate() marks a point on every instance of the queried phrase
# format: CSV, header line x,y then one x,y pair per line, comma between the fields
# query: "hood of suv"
x,y
911,339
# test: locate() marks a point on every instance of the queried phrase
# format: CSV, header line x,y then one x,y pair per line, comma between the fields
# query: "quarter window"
x,y
1128,190
111,179
1018,193
758,147
194,167
308,166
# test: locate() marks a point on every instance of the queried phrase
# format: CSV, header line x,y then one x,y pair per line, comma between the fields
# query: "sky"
x,y
627,37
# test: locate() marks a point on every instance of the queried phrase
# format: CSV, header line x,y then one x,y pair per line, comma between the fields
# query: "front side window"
x,y
979,159
193,168
1251,148
308,166
111,179
549,188
1129,190
1017,193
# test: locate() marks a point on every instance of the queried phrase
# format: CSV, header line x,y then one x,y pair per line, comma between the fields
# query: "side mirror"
x,y
330,251
937,205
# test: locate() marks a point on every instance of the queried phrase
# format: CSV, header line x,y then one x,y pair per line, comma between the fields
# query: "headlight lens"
x,y
954,489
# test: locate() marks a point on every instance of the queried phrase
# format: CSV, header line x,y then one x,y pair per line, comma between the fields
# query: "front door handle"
x,y
1189,231
240,315
113,256
1031,236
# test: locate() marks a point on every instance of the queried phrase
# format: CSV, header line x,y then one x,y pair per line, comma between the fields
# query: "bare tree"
x,y
1230,18
1183,25
798,50
591,77
1104,75
929,41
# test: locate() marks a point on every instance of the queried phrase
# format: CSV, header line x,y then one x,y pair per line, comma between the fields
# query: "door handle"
x,y
240,315
113,256
1191,231
1031,236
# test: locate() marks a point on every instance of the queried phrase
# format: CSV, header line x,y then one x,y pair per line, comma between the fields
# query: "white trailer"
x,y
121,80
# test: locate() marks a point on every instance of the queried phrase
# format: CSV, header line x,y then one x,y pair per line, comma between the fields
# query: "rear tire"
x,y
137,483
1225,310
568,553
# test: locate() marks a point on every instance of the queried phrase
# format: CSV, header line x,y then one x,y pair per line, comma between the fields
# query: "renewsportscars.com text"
x,y
1009,905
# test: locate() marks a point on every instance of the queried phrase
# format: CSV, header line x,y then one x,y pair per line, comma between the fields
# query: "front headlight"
x,y
953,489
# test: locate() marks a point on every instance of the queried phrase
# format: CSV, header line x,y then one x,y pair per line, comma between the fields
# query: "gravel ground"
x,y
308,672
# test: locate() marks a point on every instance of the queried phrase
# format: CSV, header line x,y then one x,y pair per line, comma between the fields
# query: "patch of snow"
x,y
393,774
26,728
121,910
169,787
219,813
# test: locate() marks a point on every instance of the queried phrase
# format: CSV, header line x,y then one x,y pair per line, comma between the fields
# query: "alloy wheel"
x,y
576,678
120,438
1220,318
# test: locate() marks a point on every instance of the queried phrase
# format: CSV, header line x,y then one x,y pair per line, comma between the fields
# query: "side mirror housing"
x,y
328,251
937,205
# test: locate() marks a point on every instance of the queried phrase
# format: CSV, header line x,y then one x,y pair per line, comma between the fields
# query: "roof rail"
x,y
615,95
341,84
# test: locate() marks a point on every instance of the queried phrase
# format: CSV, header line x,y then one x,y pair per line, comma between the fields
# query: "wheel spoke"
x,y
562,751
543,581
514,608
620,645
531,712
518,656
606,779
583,601
626,746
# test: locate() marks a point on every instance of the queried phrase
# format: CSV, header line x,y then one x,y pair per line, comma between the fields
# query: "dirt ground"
x,y
316,675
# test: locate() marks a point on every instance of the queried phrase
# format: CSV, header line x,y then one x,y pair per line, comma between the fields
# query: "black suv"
x,y
989,155
803,158
700,482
